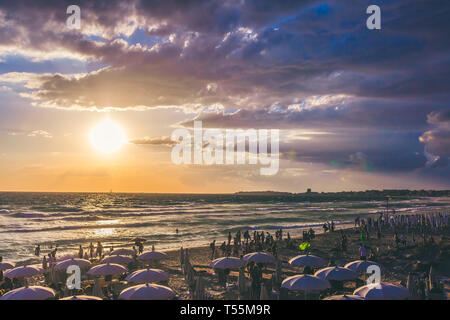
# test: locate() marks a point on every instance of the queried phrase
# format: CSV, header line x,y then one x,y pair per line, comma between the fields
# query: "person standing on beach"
x,y
403,239
99,252
50,260
37,251
343,242
44,263
362,252
140,247
212,246
91,250
80,252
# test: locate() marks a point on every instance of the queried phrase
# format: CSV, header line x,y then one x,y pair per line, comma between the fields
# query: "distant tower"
x,y
309,190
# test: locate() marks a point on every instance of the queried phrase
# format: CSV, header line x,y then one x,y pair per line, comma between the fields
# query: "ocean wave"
x,y
296,226
81,227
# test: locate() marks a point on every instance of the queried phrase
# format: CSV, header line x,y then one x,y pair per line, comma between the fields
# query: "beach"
x,y
399,260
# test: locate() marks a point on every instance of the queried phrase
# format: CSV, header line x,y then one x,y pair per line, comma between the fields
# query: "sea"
x,y
68,220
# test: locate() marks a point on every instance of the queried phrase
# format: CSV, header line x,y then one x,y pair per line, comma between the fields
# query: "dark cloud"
x,y
332,111
262,63
371,151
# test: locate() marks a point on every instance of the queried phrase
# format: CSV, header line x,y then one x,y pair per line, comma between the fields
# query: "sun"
x,y
107,136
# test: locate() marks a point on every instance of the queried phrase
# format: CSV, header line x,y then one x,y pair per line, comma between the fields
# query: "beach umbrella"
x,y
259,257
152,255
29,293
147,292
76,298
305,283
336,273
307,261
117,259
226,263
23,272
122,252
345,297
107,269
147,275
382,291
361,265
5,266
70,262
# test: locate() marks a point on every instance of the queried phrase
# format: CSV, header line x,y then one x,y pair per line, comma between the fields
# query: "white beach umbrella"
x,y
70,262
305,283
152,255
344,297
107,269
382,291
29,293
23,272
117,259
147,292
122,252
76,298
307,261
147,275
5,266
226,263
259,257
336,273
361,265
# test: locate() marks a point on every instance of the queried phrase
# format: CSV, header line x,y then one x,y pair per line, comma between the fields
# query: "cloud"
x,y
163,141
293,65
168,53
327,111
40,133
437,140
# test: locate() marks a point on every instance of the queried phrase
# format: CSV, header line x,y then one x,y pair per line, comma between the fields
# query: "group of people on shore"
x,y
417,225
90,253
247,242
402,226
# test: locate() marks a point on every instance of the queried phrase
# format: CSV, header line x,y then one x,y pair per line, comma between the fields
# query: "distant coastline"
x,y
384,193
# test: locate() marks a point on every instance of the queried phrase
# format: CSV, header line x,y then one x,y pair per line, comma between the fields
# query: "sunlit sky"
x,y
357,109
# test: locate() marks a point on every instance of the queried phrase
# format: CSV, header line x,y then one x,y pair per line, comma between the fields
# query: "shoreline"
x,y
317,227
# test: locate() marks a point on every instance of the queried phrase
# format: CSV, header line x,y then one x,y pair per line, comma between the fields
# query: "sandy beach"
x,y
398,260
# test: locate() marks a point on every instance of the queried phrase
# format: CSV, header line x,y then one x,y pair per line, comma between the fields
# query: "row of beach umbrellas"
x,y
375,291
145,291
111,265
321,279
148,290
